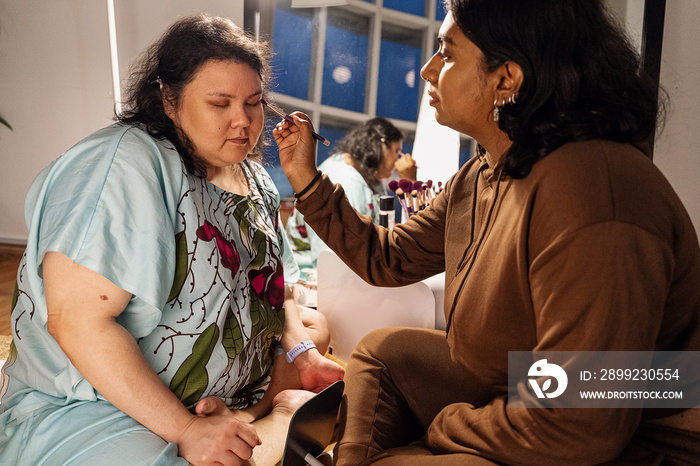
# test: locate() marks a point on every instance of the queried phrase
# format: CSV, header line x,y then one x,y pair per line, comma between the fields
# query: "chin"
x,y
237,157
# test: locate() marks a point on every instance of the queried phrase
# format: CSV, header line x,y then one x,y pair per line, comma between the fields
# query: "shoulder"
x,y
589,182
119,160
129,147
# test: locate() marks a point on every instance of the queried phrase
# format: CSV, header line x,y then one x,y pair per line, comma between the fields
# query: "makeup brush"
x,y
281,113
429,184
406,185
402,201
418,189
393,185
414,196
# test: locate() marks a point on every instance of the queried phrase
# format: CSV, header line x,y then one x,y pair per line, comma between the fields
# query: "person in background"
x,y
560,236
360,162
150,320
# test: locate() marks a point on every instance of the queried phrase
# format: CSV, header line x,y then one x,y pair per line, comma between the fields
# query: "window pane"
x,y
415,7
439,10
271,159
345,60
334,132
399,73
465,152
292,58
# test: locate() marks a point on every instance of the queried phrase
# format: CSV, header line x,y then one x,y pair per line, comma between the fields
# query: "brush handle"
x,y
281,113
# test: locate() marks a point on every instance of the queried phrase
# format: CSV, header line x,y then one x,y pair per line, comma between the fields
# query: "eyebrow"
x,y
231,96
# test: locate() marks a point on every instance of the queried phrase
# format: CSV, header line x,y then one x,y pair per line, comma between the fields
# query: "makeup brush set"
x,y
414,196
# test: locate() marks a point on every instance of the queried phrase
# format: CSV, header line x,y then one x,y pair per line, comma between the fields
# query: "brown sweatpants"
x,y
399,379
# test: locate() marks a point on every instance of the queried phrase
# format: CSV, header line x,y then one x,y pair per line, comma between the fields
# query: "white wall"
x,y
55,79
54,89
677,150
55,85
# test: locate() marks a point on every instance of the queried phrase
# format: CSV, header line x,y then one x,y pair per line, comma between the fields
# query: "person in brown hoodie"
x,y
560,235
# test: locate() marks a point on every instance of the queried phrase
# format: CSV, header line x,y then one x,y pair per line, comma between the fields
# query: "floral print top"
x,y
206,269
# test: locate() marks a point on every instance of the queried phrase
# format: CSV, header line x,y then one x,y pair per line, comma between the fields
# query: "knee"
x,y
382,343
403,345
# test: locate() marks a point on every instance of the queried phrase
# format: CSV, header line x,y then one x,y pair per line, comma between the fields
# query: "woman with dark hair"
x,y
150,302
360,162
559,240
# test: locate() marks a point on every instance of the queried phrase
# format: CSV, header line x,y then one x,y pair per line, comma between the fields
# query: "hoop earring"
x,y
496,110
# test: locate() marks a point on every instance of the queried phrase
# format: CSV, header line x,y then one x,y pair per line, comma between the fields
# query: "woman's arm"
x,y
316,372
409,253
82,310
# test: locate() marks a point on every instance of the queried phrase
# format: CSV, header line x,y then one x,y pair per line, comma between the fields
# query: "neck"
x,y
231,179
497,144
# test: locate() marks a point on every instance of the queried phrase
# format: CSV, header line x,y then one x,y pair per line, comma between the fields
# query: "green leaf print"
x,y
259,310
180,265
300,245
232,338
12,357
191,379
260,248
15,297
243,222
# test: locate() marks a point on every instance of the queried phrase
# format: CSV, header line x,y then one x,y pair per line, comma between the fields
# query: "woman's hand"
x,y
316,371
217,439
406,167
297,149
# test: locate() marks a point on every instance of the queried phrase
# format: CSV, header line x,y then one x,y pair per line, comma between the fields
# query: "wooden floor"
x,y
9,260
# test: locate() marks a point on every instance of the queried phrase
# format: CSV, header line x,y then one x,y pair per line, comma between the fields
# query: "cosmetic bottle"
x,y
387,213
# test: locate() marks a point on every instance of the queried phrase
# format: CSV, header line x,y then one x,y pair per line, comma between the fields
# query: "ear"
x,y
510,79
168,102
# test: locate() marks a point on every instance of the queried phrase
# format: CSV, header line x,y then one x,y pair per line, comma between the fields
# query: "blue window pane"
x,y
407,147
399,75
440,10
464,154
271,160
415,7
345,61
280,180
333,133
292,58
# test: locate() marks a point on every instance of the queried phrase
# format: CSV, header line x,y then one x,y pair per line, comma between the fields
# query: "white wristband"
x,y
298,349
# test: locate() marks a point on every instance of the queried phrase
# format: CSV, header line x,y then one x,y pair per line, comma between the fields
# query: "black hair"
x,y
582,78
366,142
174,60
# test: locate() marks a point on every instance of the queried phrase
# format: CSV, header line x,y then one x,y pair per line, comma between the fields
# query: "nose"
x,y
427,72
239,117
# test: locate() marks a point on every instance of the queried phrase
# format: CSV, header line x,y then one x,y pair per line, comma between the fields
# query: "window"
x,y
345,64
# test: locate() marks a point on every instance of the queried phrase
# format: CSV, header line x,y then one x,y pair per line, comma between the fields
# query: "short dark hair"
x,y
365,144
582,77
174,60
